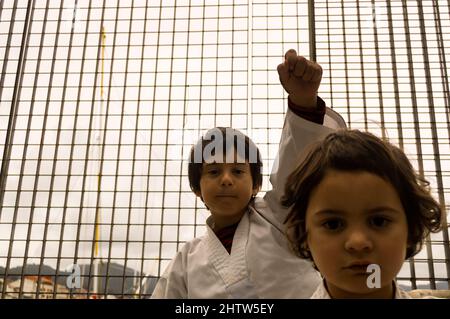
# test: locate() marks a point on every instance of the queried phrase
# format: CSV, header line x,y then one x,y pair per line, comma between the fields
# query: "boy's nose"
x,y
358,240
227,179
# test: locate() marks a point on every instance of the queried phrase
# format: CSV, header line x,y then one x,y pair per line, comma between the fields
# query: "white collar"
x,y
231,267
322,292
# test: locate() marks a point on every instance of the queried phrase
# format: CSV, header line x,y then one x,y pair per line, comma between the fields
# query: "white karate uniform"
x,y
322,293
261,264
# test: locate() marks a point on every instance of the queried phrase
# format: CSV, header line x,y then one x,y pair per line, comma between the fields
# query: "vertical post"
x,y
312,31
100,141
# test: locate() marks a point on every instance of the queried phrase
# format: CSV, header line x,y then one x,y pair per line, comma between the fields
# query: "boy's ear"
x,y
256,190
198,193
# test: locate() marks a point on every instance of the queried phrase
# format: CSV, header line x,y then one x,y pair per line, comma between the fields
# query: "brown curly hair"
x,y
354,150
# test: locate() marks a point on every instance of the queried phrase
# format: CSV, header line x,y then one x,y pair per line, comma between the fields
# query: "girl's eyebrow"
x,y
377,209
330,211
383,209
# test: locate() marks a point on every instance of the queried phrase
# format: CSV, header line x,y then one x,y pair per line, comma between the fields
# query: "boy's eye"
x,y
333,224
379,221
213,171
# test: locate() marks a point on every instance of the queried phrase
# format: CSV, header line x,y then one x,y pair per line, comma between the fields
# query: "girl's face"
x,y
355,219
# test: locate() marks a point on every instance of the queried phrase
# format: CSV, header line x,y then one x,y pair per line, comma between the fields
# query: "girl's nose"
x,y
358,240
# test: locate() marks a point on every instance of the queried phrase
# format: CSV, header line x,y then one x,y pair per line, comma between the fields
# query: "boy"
x,y
244,253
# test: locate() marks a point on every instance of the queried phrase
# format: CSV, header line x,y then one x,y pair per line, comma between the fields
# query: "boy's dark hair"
x,y
229,137
353,150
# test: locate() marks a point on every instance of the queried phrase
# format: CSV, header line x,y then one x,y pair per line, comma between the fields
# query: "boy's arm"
x,y
307,120
301,79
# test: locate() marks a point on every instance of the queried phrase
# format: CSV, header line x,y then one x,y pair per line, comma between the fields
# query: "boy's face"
x,y
226,188
355,219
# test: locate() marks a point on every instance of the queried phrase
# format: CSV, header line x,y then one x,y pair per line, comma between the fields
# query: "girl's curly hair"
x,y
354,150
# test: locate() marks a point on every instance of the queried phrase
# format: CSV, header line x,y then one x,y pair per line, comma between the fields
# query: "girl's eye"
x,y
379,221
213,172
238,171
333,224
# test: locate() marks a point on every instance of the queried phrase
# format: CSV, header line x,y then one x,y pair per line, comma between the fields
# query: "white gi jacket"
x,y
260,264
322,293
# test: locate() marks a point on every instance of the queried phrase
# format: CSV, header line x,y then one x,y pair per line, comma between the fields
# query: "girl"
x,y
357,202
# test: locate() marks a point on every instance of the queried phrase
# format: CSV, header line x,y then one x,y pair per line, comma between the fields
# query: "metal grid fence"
x,y
101,100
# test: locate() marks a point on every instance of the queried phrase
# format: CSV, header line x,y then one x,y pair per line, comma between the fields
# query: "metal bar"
x,y
137,120
395,75
165,171
345,60
25,148
143,257
361,64
446,91
85,173
58,143
377,61
10,132
107,116
130,205
329,59
434,133
153,119
415,113
16,93
41,151
312,30
99,140
72,151
3,73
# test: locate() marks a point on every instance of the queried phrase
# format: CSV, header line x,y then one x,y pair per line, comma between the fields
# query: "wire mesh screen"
x,y
101,101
